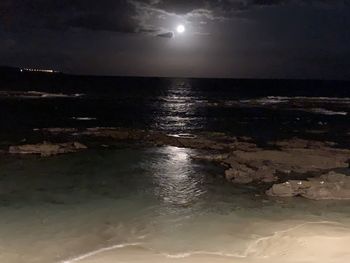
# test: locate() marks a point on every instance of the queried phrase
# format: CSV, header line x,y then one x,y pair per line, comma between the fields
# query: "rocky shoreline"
x,y
333,186
293,167
46,149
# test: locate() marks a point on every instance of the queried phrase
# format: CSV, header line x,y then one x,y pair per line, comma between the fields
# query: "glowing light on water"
x,y
178,107
173,176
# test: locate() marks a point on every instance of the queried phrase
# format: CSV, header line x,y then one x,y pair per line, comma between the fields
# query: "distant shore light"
x,y
38,70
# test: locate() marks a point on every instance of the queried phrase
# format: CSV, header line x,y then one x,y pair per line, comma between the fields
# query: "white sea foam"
x,y
84,118
37,95
256,247
336,99
306,104
265,101
300,242
99,251
269,100
204,253
326,112
183,135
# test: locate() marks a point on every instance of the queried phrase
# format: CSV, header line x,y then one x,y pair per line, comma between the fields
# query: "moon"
x,y
180,29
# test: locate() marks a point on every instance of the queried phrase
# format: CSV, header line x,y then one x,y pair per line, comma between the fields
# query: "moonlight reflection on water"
x,y
174,177
178,108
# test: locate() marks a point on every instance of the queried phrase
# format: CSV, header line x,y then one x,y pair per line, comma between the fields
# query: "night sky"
x,y
223,38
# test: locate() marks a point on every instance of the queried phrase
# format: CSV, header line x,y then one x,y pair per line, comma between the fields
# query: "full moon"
x,y
180,29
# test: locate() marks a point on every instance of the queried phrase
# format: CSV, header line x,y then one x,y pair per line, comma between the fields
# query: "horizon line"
x,y
174,77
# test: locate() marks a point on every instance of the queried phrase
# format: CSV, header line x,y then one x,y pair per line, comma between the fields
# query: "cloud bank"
x,y
125,16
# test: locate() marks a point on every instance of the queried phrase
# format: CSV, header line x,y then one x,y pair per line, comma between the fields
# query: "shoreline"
x,y
83,205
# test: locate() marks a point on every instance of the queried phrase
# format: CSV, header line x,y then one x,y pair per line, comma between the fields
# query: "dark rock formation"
x,y
47,149
331,186
244,160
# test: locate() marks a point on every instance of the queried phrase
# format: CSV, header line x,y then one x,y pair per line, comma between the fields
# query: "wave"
x,y
167,255
84,118
37,95
99,251
194,253
261,247
278,100
306,104
339,99
326,112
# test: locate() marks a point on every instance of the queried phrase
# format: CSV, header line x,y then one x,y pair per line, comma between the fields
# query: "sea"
x,y
134,203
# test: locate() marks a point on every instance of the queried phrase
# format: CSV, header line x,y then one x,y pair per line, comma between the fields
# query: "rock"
x,y
296,160
327,192
289,188
240,175
331,186
300,143
266,174
210,157
58,130
282,190
78,146
246,162
333,177
244,146
200,141
47,149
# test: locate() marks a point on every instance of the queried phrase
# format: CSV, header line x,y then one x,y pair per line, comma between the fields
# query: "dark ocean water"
x,y
261,108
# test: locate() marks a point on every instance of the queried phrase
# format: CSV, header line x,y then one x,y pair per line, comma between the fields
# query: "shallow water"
x,y
155,205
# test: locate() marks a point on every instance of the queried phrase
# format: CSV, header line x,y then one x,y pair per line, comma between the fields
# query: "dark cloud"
x,y
108,15
166,35
229,6
126,16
